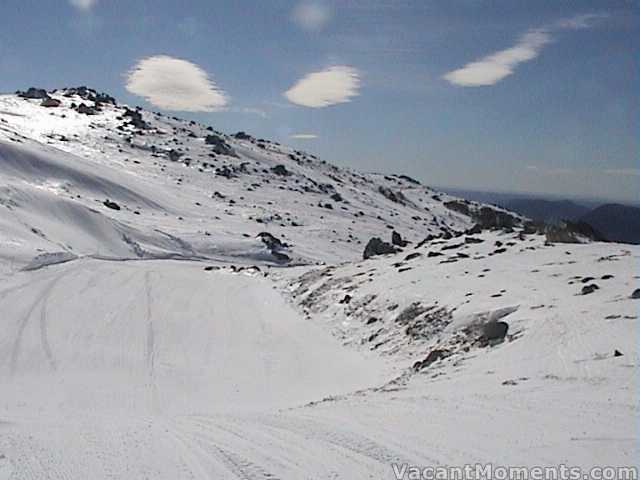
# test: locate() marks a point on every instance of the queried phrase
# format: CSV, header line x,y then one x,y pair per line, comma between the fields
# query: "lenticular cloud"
x,y
334,85
173,84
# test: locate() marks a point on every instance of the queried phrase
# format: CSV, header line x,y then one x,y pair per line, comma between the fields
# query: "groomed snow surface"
x,y
164,340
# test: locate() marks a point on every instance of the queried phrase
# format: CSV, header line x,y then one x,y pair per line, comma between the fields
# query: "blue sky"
x,y
535,96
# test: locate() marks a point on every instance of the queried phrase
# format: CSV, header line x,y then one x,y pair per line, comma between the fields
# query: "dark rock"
x,y
135,119
434,356
242,136
460,206
112,205
475,230
470,240
86,110
396,239
587,289
636,294
220,146
51,103
572,232
346,299
409,179
376,246
492,331
271,241
617,353
489,218
396,197
281,170
34,93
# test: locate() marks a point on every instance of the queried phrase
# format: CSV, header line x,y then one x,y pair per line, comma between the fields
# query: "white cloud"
x,y
174,84
84,5
311,16
491,69
303,136
337,84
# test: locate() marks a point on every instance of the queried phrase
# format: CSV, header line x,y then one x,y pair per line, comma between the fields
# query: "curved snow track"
x,y
144,369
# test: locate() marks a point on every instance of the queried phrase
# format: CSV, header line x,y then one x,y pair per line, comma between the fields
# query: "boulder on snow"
x,y
112,205
460,206
397,240
51,103
273,243
434,356
281,170
242,136
636,294
135,119
220,146
376,246
494,331
394,196
587,289
86,110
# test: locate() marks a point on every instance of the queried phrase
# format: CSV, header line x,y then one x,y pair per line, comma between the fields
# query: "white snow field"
x,y
148,330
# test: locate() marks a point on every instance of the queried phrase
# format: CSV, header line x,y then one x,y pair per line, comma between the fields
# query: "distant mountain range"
x,y
616,222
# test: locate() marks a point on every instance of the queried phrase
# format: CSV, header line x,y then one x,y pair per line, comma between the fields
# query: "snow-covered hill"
x,y
180,303
184,189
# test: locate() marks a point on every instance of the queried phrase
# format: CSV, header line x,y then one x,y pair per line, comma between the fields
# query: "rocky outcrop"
x,y
572,232
394,196
135,119
281,170
51,103
220,146
34,93
376,246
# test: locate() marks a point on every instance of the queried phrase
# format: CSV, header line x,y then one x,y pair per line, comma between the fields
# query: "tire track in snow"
x,y
150,345
342,439
44,339
40,301
204,451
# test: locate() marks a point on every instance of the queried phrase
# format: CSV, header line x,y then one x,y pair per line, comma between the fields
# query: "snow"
x,y
166,340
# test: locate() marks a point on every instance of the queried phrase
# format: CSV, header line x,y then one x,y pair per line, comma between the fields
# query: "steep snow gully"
x,y
176,303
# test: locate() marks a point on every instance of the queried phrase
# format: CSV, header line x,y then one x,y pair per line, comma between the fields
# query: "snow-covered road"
x,y
117,365
162,370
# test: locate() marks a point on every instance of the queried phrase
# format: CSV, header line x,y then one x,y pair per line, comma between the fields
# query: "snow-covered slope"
x,y
185,189
147,334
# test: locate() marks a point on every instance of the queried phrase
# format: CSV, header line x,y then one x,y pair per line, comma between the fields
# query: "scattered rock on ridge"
x,y
50,103
572,232
112,205
376,246
34,93
587,289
